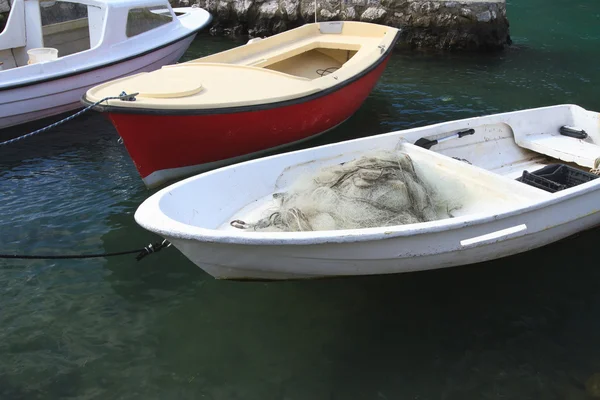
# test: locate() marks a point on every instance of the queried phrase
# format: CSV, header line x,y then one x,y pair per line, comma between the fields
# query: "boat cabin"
x,y
39,30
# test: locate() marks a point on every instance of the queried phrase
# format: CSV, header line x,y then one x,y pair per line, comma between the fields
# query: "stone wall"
x,y
426,24
476,25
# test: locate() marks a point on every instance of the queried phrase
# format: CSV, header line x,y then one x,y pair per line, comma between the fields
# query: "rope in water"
x,y
123,96
596,169
149,249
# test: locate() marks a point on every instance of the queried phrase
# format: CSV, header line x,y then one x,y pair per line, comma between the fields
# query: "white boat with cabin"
x,y
52,52
492,171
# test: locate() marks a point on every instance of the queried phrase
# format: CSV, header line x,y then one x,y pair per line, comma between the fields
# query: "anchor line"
x,y
149,249
123,96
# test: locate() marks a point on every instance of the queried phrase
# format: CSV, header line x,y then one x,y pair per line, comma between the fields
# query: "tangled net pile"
x,y
382,189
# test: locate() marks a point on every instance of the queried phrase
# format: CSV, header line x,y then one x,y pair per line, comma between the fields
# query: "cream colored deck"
x,y
282,67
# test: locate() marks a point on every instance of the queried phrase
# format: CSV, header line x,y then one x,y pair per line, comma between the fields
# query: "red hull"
x,y
161,146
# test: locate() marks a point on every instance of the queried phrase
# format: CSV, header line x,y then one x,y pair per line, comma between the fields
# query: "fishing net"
x,y
381,189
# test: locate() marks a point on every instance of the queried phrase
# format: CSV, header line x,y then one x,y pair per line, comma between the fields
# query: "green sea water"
x,y
524,327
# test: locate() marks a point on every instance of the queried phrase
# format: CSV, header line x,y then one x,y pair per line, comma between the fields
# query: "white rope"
x,y
596,169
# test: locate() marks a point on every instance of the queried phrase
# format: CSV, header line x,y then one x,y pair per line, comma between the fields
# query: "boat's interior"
x,y
494,167
68,36
69,27
310,51
295,63
313,63
461,188
477,174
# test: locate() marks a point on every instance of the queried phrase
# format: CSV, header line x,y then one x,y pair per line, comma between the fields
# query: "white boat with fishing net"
x,y
443,195
51,52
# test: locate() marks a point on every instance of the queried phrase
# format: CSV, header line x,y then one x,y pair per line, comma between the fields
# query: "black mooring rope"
x,y
151,248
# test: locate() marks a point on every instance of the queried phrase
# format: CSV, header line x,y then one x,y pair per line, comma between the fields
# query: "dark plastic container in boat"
x,y
555,177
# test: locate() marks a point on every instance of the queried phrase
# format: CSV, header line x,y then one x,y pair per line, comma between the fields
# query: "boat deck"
x,y
284,67
286,50
208,85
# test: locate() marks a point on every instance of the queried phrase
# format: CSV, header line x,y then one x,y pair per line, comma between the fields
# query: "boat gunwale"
x,y
150,216
247,108
111,63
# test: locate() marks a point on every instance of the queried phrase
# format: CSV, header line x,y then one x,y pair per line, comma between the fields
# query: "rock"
x,y
4,6
268,9
485,16
234,31
307,10
328,15
390,5
430,7
223,10
240,8
330,5
216,30
279,26
444,19
349,14
290,7
373,14
422,22
465,12
436,24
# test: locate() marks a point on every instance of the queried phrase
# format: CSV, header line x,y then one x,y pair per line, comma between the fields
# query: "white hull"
x,y
414,252
500,216
46,99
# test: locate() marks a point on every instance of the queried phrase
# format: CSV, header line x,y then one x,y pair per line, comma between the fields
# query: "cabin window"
x,y
65,26
144,19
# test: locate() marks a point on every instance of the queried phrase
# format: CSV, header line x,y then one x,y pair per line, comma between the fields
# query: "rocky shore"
x,y
426,24
472,25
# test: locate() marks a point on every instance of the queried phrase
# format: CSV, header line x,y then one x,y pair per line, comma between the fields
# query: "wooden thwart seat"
x,y
564,148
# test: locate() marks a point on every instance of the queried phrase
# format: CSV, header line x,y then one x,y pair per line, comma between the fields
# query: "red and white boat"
x,y
237,104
